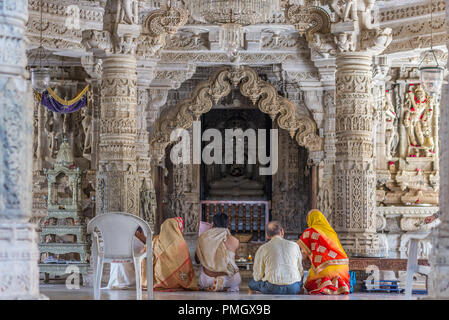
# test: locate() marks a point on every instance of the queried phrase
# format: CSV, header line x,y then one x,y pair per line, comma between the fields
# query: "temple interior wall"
x,y
405,151
407,183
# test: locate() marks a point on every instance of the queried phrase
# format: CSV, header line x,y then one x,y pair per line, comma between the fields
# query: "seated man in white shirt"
x,y
277,265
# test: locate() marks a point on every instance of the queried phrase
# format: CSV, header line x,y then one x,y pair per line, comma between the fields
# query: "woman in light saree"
x,y
329,272
172,266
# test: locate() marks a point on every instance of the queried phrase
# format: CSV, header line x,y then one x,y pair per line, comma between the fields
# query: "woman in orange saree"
x,y
329,272
172,266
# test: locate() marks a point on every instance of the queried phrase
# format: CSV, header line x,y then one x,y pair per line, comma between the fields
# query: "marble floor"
x,y
60,292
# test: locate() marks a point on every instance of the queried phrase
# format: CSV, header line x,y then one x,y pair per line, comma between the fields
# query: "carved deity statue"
x,y
148,202
390,127
418,121
345,42
128,11
50,129
87,128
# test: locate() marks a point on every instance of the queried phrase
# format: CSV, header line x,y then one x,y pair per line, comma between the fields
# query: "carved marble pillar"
x,y
355,178
143,143
19,273
439,259
325,199
379,92
95,85
147,193
117,178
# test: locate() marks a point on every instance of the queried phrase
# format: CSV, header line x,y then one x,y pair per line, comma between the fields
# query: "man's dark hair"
x,y
220,220
274,228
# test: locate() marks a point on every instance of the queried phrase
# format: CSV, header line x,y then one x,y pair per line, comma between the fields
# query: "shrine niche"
x,y
234,181
196,192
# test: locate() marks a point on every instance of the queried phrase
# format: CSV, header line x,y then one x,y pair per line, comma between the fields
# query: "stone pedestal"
x,y
355,178
19,273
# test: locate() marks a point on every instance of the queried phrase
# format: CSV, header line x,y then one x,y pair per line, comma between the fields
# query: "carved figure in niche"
x,y
344,42
50,129
346,10
417,121
390,127
77,133
87,128
128,11
325,202
148,202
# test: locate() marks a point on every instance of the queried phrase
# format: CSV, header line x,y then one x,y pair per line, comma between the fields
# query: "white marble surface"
x,y
59,292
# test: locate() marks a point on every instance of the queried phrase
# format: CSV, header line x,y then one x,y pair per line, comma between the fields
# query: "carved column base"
x,y
117,191
355,215
19,272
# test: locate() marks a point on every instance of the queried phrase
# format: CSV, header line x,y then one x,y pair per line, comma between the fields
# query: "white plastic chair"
x,y
412,262
117,231
413,267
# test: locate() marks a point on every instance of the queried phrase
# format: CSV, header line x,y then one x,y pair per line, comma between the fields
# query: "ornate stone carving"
x,y
391,134
166,21
276,41
411,11
258,91
290,201
148,202
355,179
418,116
307,18
187,41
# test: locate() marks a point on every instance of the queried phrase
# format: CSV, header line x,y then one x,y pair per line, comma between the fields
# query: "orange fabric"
x,y
329,272
172,266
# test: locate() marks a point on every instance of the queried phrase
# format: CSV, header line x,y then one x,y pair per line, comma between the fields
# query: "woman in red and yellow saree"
x,y
329,272
172,267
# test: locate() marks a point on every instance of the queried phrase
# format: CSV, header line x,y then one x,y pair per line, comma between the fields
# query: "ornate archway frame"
x,y
260,92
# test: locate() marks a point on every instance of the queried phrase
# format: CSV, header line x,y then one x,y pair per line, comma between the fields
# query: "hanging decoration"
x,y
430,72
40,75
52,102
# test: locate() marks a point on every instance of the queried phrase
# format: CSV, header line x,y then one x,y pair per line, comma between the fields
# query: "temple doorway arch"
x,y
299,129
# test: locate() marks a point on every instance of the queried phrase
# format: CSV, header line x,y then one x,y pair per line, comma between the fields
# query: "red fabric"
x,y
330,271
